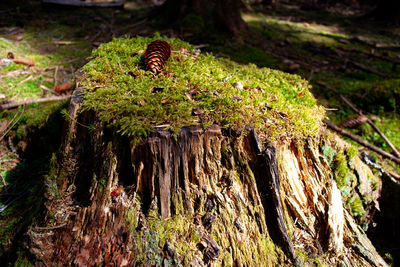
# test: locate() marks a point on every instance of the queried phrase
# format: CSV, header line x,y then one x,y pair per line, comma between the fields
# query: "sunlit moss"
x,y
122,93
351,153
341,170
356,206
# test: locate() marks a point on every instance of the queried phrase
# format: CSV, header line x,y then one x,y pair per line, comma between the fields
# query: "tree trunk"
x,y
205,196
221,15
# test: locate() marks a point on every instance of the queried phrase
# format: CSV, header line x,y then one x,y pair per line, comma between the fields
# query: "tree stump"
x,y
199,196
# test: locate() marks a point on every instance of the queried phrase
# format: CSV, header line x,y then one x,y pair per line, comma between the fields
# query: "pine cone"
x,y
156,55
354,122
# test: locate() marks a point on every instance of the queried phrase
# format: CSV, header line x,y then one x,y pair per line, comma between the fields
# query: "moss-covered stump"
x,y
186,169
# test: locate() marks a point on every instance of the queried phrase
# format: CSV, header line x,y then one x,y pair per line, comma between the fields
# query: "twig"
x,y
12,122
311,74
201,46
27,79
386,58
47,89
9,202
359,112
13,149
4,182
37,228
394,175
28,102
368,69
55,78
63,42
361,142
72,72
71,60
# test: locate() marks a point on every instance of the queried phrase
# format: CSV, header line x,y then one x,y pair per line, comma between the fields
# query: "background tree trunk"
x,y
222,15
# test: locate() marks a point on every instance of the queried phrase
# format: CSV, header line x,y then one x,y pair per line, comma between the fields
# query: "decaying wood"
x,y
209,248
269,189
230,188
359,112
32,101
362,142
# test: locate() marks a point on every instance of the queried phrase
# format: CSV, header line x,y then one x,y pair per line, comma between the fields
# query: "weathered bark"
x,y
230,188
220,14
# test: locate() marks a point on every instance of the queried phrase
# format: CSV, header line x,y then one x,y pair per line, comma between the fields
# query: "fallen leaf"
x,y
189,95
198,111
142,102
283,114
238,85
62,88
117,191
166,101
24,61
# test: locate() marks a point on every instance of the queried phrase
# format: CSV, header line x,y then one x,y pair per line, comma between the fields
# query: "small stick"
x,y
55,78
12,123
361,142
28,102
4,182
27,79
50,227
47,89
359,112
365,68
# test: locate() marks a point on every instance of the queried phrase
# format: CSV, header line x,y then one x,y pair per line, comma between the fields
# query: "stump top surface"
x,y
194,89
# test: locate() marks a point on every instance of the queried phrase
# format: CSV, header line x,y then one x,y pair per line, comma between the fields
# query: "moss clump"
x,y
341,170
194,90
356,206
329,153
179,231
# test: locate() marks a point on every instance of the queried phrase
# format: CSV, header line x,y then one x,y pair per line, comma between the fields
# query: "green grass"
x,y
39,45
122,93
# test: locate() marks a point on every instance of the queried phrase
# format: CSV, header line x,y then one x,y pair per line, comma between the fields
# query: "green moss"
x,y
341,170
177,230
23,261
122,93
356,206
34,118
329,153
375,182
351,153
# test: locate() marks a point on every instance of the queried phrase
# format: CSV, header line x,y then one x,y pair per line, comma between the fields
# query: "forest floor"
x,y
335,49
